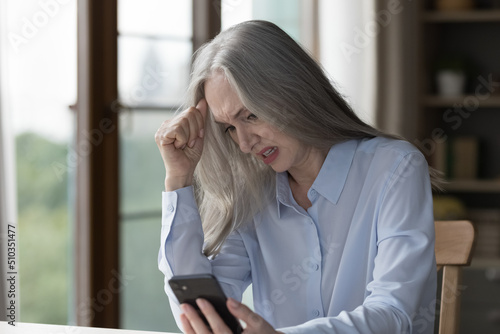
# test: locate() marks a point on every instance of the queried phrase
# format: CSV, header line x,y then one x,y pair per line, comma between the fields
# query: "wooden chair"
x,y
454,241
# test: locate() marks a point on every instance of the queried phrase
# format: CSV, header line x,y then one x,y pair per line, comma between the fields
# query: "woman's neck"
x,y
304,173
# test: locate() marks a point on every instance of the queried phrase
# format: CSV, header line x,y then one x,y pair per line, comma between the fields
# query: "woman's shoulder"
x,y
385,154
385,145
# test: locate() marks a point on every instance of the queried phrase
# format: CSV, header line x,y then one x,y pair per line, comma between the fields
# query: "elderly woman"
x,y
272,180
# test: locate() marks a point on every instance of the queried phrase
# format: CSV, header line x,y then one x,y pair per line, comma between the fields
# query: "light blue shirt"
x,y
359,260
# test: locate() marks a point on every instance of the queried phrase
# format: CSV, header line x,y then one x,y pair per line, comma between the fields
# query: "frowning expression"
x,y
253,135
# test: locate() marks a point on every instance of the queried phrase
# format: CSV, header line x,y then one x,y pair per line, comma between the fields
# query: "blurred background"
x,y
426,70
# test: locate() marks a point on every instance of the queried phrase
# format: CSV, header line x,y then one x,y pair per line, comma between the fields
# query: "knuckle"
x,y
165,124
255,319
188,112
176,126
159,135
194,113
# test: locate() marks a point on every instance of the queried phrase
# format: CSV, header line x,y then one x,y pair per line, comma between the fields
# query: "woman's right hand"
x,y
180,141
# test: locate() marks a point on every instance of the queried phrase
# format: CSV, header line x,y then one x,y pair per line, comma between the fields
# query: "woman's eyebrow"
x,y
238,114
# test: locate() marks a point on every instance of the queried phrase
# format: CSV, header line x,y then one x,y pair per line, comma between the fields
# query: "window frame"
x,y
97,191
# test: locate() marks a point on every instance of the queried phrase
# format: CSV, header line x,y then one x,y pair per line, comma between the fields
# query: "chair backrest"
x,y
454,243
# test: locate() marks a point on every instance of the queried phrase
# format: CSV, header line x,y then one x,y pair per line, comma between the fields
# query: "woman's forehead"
x,y
222,99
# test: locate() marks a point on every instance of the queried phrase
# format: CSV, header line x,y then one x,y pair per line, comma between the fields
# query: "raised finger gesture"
x,y
180,141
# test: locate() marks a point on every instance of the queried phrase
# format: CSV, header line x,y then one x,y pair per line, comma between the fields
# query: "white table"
x,y
25,328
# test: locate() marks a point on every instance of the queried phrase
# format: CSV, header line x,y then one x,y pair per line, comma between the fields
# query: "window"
x,y
39,84
298,18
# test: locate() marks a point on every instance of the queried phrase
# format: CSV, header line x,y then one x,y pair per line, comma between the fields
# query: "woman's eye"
x,y
229,129
251,117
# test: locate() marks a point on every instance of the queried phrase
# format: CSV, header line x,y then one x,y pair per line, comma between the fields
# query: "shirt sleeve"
x,y
404,269
181,249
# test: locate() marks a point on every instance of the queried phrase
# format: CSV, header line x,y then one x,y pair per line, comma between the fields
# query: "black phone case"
x,y
188,288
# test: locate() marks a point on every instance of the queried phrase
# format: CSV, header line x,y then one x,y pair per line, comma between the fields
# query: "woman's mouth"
x,y
269,154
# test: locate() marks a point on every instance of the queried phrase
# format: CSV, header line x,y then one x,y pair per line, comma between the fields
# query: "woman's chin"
x,y
277,168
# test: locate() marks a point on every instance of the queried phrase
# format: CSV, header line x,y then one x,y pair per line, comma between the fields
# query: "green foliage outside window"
x,y
43,221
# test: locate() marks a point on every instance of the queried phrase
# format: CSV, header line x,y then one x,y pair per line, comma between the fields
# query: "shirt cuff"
x,y
179,204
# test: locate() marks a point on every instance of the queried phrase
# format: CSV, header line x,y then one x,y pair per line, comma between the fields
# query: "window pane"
x,y
142,172
235,11
40,83
155,17
153,72
144,305
285,13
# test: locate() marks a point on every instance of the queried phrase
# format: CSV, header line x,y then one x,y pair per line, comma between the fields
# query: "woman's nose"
x,y
246,140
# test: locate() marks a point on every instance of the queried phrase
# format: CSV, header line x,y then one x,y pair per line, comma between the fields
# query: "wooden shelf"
x,y
444,102
462,16
473,186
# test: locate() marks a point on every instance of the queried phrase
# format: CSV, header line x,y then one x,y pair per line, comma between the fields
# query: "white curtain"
x,y
347,51
7,177
369,48
4,219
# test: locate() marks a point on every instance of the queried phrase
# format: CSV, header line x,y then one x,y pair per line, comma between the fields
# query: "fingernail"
x,y
202,303
202,133
233,303
191,144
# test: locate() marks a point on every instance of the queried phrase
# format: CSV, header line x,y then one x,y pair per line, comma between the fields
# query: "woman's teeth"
x,y
269,152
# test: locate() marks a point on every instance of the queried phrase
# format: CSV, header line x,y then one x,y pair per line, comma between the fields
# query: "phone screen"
x,y
190,287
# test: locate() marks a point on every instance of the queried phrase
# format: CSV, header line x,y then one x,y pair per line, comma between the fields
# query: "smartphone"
x,y
188,288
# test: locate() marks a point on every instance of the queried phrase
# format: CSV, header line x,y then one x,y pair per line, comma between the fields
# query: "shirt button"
x,y
315,313
314,193
316,267
170,208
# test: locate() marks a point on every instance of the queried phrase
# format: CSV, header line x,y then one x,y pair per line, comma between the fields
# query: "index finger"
x,y
202,106
216,323
186,325
194,319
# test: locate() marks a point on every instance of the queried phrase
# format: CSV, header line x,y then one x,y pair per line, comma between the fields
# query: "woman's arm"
x,y
180,141
181,249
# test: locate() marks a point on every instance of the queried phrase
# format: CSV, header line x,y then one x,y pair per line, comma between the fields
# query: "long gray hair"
x,y
282,85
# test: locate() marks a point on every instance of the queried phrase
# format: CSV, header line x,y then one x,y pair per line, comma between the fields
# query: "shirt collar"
x,y
283,192
333,174
331,178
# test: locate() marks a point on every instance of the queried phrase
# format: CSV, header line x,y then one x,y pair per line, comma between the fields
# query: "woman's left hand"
x,y
193,324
